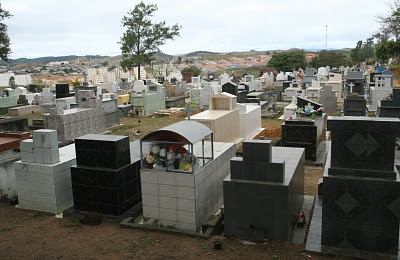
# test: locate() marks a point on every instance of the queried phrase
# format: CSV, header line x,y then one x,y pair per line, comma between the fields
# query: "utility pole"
x,y
326,37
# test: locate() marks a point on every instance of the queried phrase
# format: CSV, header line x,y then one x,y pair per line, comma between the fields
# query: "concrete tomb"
x,y
182,174
328,99
88,118
264,192
43,177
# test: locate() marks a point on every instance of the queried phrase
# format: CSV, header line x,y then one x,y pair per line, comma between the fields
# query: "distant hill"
x,y
200,53
43,60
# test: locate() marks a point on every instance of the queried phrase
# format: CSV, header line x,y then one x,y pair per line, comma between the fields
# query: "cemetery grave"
x,y
358,201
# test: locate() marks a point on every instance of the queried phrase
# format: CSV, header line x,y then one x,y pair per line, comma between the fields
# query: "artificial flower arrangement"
x,y
174,155
308,111
388,96
178,156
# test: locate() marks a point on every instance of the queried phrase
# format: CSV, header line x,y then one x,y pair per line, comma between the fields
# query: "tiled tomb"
x,y
43,177
72,123
263,194
104,179
183,193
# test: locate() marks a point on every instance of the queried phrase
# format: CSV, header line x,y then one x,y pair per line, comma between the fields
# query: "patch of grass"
x,y
130,125
31,117
6,228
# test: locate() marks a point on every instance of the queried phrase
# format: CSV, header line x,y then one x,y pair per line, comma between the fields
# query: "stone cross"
x,y
351,85
309,106
188,110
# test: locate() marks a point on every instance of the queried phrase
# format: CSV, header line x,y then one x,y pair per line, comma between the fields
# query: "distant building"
x,y
20,80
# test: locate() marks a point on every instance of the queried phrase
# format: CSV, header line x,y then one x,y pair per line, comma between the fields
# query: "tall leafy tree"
x,y
328,58
143,37
390,24
5,49
288,60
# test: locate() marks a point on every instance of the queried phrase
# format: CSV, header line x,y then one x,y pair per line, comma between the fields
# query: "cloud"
x,y
53,28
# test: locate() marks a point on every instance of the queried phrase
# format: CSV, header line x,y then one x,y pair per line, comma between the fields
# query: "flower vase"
x,y
176,164
164,164
149,165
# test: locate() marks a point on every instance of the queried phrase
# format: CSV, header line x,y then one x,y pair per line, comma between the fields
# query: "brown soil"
x,y
36,235
272,128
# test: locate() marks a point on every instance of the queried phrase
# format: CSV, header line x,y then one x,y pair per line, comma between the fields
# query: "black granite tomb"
x,y
390,108
104,179
62,90
303,102
264,192
355,105
355,83
12,124
361,198
233,89
33,88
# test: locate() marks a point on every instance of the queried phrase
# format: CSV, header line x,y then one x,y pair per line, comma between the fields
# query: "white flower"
x,y
179,156
150,158
170,156
162,152
155,149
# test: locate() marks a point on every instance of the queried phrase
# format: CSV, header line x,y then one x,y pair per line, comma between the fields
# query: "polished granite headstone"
x,y
361,198
104,179
304,132
264,192
233,89
355,83
62,90
355,106
390,108
303,102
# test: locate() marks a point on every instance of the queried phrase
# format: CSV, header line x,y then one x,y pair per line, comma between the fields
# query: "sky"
x,y
41,28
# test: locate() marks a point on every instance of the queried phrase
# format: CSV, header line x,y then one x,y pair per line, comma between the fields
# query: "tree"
x,y
11,82
327,58
363,51
196,70
75,83
288,60
104,64
142,37
5,49
390,24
